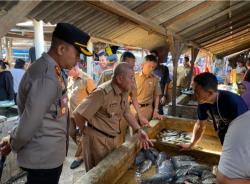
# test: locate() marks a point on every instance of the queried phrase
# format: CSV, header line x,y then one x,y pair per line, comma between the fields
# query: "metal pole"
x,y
90,61
39,38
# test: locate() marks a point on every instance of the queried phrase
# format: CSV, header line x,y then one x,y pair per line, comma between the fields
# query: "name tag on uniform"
x,y
112,109
113,105
63,105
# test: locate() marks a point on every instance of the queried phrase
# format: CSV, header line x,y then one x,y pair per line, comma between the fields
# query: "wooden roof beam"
x,y
224,34
219,26
111,42
231,45
188,13
212,18
233,28
233,50
145,6
16,14
230,38
47,37
122,11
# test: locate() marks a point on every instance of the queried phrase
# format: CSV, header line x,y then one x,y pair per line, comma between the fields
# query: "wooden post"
x,y
90,66
194,54
38,38
16,14
8,45
176,47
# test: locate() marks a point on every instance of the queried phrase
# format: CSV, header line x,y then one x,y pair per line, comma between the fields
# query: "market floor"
x,y
68,175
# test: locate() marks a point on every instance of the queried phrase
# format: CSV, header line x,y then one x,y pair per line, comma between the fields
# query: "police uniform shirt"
x,y
104,108
40,137
146,87
105,76
78,89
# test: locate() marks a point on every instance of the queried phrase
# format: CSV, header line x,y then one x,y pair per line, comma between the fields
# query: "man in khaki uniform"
x,y
80,85
183,76
102,111
148,89
40,139
106,75
129,58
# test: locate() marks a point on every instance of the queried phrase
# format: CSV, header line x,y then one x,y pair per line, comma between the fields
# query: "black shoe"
x,y
75,164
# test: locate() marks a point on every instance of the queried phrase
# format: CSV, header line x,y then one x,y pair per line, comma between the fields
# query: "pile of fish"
x,y
181,169
174,137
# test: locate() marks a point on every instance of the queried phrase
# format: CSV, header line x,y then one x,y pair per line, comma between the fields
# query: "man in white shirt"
x,y
234,165
17,73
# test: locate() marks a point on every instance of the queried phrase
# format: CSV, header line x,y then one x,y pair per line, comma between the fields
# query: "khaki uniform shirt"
x,y
104,108
41,135
146,87
78,89
182,76
105,76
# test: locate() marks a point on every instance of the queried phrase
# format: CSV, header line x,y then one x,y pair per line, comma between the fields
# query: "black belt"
x,y
144,105
104,133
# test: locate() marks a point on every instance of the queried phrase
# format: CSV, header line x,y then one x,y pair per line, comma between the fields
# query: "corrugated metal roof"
x,y
199,16
198,21
97,23
160,8
171,12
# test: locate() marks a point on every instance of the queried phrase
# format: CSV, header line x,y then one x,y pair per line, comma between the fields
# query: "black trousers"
x,y
43,176
160,107
222,130
15,98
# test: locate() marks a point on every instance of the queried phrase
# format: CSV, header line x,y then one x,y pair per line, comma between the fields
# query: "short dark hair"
x,y
55,42
19,64
3,64
151,58
126,55
207,81
121,69
154,52
186,58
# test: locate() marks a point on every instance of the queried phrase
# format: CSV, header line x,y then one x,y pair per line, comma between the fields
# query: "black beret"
x,y
74,36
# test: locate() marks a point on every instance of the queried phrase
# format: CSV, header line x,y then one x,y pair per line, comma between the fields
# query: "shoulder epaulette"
x,y
107,87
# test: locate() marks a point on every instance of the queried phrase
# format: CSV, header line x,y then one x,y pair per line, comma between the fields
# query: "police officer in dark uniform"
x,y
40,139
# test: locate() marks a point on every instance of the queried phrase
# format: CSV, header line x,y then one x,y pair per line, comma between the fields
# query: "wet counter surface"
x,y
118,167
206,152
